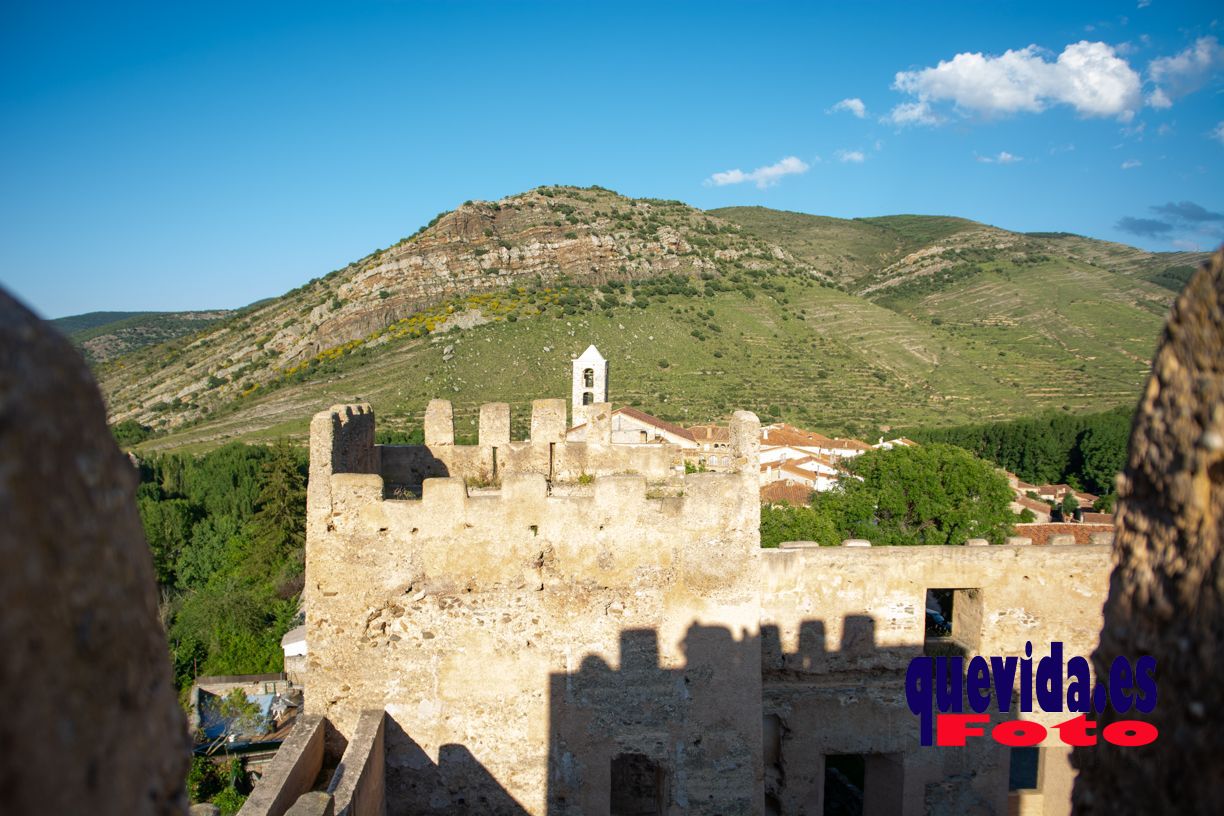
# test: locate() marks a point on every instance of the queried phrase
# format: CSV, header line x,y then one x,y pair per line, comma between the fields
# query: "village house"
x,y
633,427
714,442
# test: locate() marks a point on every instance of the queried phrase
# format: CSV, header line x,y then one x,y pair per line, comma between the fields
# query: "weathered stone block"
x,y
523,488
548,420
495,424
444,495
314,803
599,424
439,423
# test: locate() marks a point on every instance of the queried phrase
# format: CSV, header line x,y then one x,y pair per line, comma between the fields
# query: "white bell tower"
x,y
590,384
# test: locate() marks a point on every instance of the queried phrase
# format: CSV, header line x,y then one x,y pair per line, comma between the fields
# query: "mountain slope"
x,y
103,336
841,325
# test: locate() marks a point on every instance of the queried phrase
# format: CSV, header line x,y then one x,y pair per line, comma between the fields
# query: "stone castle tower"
x,y
589,384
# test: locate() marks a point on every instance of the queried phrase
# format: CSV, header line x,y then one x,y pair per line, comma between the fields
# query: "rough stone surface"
x,y
548,420
495,423
315,803
839,627
439,423
505,633
1166,595
525,638
91,723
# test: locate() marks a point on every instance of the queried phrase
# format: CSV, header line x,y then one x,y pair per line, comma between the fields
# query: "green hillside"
x,y
844,326
103,336
91,320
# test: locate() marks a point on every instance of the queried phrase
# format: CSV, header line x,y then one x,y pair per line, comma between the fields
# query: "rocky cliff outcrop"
x,y
1166,596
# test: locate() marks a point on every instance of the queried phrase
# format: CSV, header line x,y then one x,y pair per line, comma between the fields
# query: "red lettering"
x,y
1130,733
1075,731
1019,733
951,729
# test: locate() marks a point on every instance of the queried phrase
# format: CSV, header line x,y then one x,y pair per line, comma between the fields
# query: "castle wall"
x,y
839,628
495,456
538,638
522,640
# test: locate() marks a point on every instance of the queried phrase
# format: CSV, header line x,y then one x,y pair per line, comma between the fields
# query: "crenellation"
x,y
413,604
494,429
439,423
539,589
548,423
599,424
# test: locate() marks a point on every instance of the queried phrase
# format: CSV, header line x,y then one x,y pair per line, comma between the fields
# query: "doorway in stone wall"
x,y
639,786
863,784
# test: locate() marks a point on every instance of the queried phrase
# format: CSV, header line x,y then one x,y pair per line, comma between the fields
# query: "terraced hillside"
x,y
842,325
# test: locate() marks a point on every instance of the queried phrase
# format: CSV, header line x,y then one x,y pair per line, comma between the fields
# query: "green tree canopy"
x,y
932,494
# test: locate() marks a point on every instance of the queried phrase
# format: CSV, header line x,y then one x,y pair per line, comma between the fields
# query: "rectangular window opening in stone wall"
x,y
863,784
1024,770
639,786
588,378
953,620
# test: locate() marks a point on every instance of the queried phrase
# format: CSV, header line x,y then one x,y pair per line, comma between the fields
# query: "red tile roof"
x,y
1036,505
642,416
710,432
779,492
1041,533
1098,518
662,424
849,444
783,434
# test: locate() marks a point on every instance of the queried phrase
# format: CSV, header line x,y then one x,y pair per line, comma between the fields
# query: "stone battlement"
x,y
342,441
517,562
572,612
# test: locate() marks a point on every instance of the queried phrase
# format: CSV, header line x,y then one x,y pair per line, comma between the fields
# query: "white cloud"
x,y
1218,133
1144,3
1003,157
1131,164
1159,99
913,113
1088,76
762,176
853,105
1185,72
851,156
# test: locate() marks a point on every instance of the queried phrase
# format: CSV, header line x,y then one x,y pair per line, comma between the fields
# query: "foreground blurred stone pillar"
x,y
91,722
1166,595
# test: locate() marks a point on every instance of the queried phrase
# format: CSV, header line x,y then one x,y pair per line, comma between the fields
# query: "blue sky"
x,y
179,156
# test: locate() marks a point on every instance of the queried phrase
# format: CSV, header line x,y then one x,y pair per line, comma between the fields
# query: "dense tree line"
x,y
1084,451
933,494
226,530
